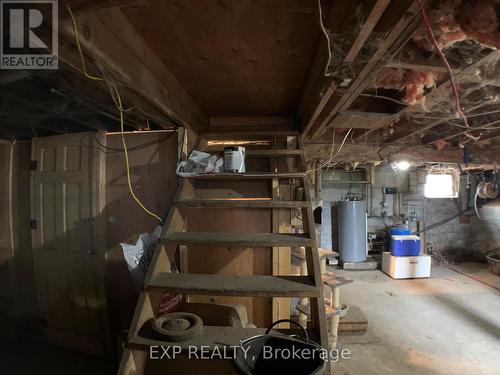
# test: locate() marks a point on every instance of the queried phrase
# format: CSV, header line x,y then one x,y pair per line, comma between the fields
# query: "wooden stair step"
x,y
272,153
247,176
225,285
238,239
248,134
242,203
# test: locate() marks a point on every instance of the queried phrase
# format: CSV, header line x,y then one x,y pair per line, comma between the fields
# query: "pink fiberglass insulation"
x,y
412,81
457,20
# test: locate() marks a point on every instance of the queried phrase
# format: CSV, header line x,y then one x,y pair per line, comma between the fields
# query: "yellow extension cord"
x,y
115,95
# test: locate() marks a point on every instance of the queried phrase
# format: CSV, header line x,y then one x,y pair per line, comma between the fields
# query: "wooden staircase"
x,y
176,238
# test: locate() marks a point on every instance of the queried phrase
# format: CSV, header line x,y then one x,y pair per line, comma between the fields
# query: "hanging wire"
x,y
115,95
327,35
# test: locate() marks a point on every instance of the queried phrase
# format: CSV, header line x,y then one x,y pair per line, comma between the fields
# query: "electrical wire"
x,y
430,35
115,95
442,222
325,31
327,163
441,259
135,148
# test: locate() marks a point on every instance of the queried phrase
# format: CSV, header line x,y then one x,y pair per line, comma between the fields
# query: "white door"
x,y
68,240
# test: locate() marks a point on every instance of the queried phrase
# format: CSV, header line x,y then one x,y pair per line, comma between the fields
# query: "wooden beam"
x,y
397,36
318,74
375,14
267,121
80,7
419,64
442,93
111,39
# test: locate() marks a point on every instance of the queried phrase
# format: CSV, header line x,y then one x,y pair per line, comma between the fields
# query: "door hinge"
x,y
33,224
33,165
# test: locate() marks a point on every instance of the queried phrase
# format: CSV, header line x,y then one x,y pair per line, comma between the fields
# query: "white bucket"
x,y
234,159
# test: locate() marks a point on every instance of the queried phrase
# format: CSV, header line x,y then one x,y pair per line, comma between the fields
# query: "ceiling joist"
x,y
113,42
324,113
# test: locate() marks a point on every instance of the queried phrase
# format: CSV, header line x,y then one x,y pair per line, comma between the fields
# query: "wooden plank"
x,y
84,6
362,120
247,176
355,320
272,153
440,94
252,121
419,64
242,203
406,25
318,314
253,134
254,153
281,223
224,285
329,90
375,14
237,239
112,39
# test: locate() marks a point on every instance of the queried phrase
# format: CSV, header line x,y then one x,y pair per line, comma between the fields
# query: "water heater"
x,y
352,231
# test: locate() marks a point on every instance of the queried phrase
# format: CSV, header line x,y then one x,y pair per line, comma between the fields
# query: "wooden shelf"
x,y
223,285
238,239
247,176
242,203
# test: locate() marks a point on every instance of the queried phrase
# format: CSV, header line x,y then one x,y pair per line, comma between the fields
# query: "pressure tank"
x,y
352,231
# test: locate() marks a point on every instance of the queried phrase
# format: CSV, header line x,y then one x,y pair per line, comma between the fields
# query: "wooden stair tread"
x,y
244,203
224,285
272,153
238,239
247,176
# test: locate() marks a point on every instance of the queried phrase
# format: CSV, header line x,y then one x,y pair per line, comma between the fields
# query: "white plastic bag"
x,y
198,163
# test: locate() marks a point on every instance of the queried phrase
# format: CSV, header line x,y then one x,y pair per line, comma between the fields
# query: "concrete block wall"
x,y
454,235
485,236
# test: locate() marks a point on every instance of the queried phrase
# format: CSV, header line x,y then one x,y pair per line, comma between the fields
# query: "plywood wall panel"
x,y
233,261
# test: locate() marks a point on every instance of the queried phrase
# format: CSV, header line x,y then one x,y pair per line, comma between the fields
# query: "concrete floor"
x,y
447,324
30,355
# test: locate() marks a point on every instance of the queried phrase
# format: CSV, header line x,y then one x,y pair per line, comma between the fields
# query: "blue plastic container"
x,y
398,231
405,245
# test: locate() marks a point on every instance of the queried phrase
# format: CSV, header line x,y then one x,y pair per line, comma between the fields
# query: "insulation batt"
x,y
457,20
412,81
